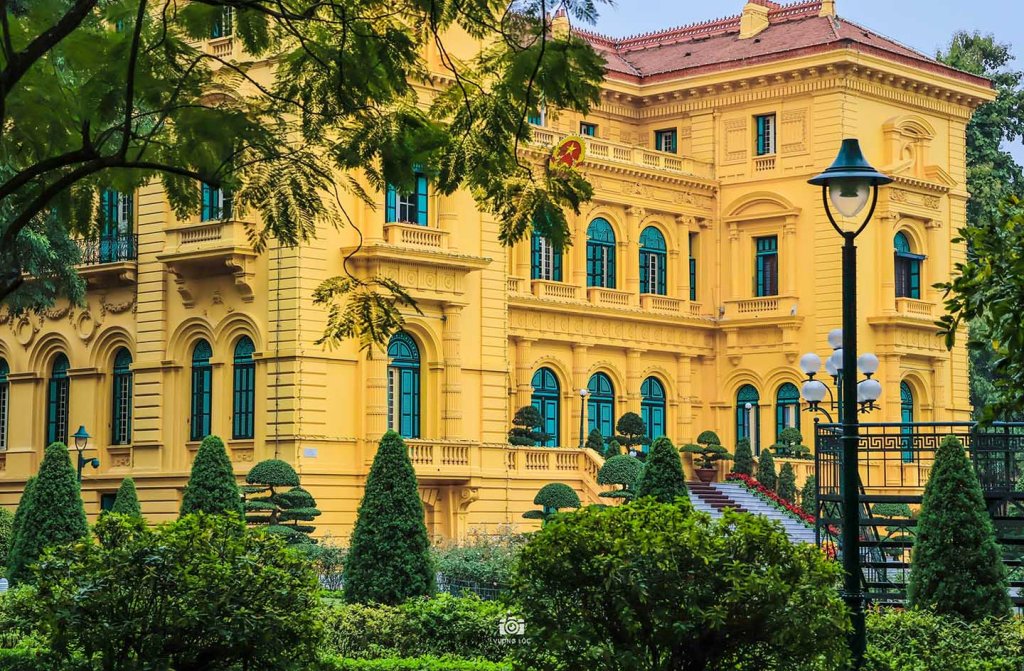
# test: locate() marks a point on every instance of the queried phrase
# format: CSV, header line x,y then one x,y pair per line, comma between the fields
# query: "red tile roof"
x,y
795,29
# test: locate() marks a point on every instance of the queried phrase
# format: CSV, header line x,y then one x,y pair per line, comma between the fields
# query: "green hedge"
x,y
923,641
439,625
411,664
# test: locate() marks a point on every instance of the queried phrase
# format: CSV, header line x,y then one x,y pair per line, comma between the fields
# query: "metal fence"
x,y
109,249
462,588
895,463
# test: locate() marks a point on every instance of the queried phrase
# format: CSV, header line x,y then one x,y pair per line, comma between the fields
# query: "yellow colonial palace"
x,y
700,272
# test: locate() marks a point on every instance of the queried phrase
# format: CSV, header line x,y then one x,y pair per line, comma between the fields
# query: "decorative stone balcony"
x,y
765,307
764,163
610,297
109,260
210,248
656,303
626,154
915,309
557,291
413,235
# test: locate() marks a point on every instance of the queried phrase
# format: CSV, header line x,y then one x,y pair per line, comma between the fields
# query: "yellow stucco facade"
x,y
487,327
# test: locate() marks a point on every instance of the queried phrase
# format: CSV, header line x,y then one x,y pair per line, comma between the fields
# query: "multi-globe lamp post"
x,y
850,184
814,390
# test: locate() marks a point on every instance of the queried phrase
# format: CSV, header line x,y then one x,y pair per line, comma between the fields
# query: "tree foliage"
x,y
663,478
787,483
986,290
631,431
526,427
198,593
389,556
24,503
613,449
595,441
54,516
343,111
743,462
809,496
766,470
623,470
280,511
552,498
957,567
790,444
6,532
127,500
653,586
211,487
708,454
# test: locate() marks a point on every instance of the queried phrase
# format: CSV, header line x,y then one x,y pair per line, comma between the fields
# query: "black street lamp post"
x,y
584,393
850,183
81,443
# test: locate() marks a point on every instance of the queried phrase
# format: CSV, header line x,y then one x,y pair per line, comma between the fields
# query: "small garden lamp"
x,y
81,443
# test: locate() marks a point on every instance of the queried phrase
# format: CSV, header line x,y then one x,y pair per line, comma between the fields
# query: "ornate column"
x,y
521,255
633,379
789,253
887,266
524,361
684,392
451,387
734,261
376,366
941,410
631,259
939,264
890,366
683,223
576,407
577,254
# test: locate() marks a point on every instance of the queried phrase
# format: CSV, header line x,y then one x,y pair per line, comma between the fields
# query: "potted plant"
x,y
708,452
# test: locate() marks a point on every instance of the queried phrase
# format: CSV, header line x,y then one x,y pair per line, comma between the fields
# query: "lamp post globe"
x,y
81,443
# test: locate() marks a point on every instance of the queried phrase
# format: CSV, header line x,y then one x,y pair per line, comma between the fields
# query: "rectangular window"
x,y
107,500
546,262
665,140
765,134
121,431
244,414
4,394
216,203
693,266
908,276
767,280
588,129
57,412
202,380
222,27
407,208
539,118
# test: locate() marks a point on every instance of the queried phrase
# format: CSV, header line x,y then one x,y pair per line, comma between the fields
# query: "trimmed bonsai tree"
x,y
743,463
957,568
127,500
766,471
595,441
55,515
389,556
790,444
708,450
809,496
211,487
624,471
663,478
632,432
787,483
613,449
552,498
275,501
525,429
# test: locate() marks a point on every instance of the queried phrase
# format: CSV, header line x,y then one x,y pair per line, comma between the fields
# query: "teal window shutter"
x,y
404,385
601,404
202,391
600,254
5,400
244,390
907,418
767,279
748,421
908,268
545,399
121,405
653,262
391,205
57,402
787,408
652,407
209,209
421,199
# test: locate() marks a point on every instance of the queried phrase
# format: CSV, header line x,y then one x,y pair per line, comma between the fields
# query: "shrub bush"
x,y
127,500
6,530
525,427
766,471
595,441
663,478
552,498
211,487
787,483
285,513
923,641
632,432
743,462
440,625
409,664
624,470
482,560
808,496
328,561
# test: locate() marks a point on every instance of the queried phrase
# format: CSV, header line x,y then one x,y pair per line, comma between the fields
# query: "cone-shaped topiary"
x,y
787,483
525,429
24,503
127,500
268,504
623,470
551,498
55,515
211,488
6,532
809,496
957,568
766,470
613,449
663,477
595,441
743,463
389,558
632,431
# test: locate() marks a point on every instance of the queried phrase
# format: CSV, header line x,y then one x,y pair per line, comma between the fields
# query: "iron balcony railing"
x,y
109,249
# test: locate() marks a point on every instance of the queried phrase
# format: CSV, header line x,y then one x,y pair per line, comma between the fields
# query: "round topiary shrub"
x,y
622,470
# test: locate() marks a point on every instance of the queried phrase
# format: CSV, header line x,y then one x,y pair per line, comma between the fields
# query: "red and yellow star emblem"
x,y
568,153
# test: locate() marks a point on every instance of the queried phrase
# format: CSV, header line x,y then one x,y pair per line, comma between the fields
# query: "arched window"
x,y
545,260
202,391
545,399
404,385
787,408
907,419
653,262
748,417
908,269
600,254
601,404
652,407
5,391
57,402
243,411
121,405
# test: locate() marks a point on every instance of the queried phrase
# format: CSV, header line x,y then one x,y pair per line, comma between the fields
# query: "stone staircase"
x,y
715,497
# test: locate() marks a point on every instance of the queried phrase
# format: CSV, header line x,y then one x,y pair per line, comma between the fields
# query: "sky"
x,y
925,25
